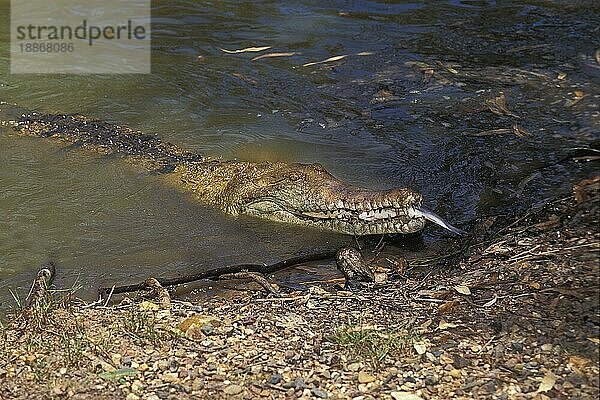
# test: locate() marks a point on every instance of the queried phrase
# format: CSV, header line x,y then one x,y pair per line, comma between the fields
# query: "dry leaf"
x,y
419,64
380,277
579,189
446,325
547,383
597,56
247,50
148,306
245,78
578,364
491,132
520,132
578,96
594,340
420,348
446,307
499,106
491,302
552,222
337,58
463,289
330,59
272,55
425,325
197,320
561,76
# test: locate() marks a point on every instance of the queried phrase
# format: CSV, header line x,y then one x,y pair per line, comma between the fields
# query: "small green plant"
x,y
371,343
141,324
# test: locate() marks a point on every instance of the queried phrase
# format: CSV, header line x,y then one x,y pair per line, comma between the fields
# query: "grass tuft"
x,y
373,344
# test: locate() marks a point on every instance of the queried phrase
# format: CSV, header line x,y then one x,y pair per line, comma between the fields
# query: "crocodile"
x,y
301,194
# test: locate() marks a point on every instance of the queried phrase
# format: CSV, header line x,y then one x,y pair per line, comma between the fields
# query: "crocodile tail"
x,y
105,138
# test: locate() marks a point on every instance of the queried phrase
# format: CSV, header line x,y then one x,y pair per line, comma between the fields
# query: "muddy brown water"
x,y
410,112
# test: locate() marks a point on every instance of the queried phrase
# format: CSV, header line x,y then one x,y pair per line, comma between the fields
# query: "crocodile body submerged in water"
x,y
302,194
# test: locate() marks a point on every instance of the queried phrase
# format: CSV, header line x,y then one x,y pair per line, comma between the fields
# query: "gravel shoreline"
x,y
516,317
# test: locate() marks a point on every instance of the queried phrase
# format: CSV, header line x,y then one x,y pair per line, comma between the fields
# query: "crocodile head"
x,y
309,195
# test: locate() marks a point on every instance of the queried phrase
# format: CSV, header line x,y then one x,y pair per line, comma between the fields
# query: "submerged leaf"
x,y
492,132
272,55
499,106
246,50
337,58
330,59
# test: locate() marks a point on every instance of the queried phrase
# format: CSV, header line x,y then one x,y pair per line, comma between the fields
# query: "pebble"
x,y
354,367
404,396
116,358
143,367
455,373
431,379
275,379
547,347
516,346
233,390
364,377
321,394
460,362
300,385
207,329
170,377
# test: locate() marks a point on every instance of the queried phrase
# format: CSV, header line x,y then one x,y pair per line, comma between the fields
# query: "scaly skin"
x,y
302,194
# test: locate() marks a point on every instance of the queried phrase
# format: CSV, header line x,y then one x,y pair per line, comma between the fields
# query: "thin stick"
x,y
217,272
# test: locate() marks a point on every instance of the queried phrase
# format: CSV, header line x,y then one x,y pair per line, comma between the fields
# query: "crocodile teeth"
x,y
377,214
316,214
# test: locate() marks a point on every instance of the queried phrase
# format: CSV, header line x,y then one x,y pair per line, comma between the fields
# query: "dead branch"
x,y
215,273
